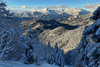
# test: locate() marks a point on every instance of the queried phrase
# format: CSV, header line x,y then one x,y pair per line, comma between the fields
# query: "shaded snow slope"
x,y
20,64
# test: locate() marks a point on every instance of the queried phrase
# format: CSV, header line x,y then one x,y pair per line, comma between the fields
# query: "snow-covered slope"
x,y
20,64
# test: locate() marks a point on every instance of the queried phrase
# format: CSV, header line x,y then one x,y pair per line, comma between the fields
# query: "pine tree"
x,y
48,52
5,13
62,58
55,56
89,47
30,48
11,45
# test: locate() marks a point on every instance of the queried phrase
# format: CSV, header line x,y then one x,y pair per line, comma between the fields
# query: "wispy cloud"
x,y
18,10
51,7
25,7
37,7
61,6
91,6
12,7
57,6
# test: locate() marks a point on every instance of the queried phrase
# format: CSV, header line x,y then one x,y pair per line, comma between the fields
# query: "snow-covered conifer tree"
x,y
30,48
11,45
55,55
62,59
89,47
49,48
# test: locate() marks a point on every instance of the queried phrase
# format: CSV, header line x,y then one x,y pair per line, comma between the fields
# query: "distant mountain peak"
x,y
48,13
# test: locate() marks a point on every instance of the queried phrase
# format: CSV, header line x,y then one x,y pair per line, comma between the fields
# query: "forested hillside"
x,y
27,49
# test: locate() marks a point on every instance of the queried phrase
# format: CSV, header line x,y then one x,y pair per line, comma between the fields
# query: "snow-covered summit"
x,y
48,13
71,11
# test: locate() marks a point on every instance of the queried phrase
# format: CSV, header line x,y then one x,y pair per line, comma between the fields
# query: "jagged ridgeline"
x,y
88,51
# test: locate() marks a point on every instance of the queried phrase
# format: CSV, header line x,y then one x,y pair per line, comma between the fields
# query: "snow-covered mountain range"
x,y
47,13
35,48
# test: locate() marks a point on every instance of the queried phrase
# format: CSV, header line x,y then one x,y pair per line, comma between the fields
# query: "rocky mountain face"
x,y
77,20
51,13
67,33
78,36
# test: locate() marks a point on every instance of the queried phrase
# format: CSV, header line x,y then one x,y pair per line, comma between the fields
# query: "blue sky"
x,y
40,4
